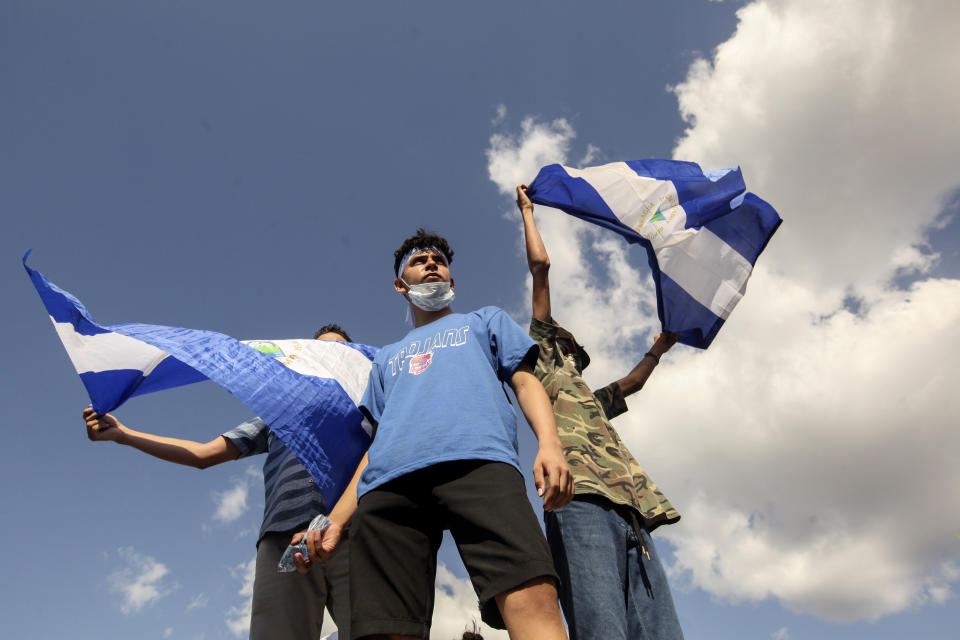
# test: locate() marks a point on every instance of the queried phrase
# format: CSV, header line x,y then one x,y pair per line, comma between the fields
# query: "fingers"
x,y
297,537
559,486
93,423
538,478
303,565
523,200
315,546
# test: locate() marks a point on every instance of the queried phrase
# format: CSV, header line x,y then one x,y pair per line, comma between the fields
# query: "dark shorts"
x,y
397,531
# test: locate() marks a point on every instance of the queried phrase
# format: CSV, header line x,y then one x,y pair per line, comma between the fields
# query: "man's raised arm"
x,y
186,452
537,258
634,381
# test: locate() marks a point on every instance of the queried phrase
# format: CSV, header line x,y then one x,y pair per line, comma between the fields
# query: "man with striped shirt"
x,y
285,606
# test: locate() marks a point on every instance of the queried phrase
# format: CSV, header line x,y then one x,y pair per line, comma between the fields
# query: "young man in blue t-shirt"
x,y
444,456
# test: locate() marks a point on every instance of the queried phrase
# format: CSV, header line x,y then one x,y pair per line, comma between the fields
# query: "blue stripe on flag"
x,y
748,227
684,311
111,388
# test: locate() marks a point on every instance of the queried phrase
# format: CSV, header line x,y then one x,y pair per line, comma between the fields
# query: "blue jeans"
x,y
613,586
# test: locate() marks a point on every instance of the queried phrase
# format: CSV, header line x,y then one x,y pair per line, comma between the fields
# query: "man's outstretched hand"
x,y
102,428
320,544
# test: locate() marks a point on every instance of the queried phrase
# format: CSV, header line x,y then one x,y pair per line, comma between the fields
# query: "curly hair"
x,y
332,328
422,239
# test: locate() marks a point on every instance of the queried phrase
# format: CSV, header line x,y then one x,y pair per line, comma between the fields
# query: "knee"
x,y
534,598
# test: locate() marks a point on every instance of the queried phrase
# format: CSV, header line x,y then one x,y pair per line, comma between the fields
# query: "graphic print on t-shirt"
x,y
420,352
419,364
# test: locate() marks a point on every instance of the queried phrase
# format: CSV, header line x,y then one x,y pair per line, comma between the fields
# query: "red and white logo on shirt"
x,y
419,364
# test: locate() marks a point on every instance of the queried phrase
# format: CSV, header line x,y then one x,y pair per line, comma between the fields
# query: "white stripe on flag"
x,y
708,269
327,359
107,351
683,255
636,201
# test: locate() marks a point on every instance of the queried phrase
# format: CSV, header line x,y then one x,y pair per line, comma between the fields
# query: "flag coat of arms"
x,y
307,391
702,231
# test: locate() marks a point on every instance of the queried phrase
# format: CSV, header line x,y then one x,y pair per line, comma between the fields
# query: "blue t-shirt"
x,y
437,395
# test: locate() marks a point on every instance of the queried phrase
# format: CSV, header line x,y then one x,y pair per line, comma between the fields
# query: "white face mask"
x,y
430,296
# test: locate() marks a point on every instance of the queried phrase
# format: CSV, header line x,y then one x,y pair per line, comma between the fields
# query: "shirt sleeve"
x,y
509,344
611,400
373,399
250,437
545,335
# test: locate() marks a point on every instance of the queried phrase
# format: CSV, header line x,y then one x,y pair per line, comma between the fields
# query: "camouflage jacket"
x,y
601,464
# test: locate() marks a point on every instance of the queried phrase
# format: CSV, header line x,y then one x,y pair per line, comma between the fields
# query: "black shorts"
x,y
397,530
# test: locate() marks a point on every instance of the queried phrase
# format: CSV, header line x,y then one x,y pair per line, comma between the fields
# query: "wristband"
x,y
655,357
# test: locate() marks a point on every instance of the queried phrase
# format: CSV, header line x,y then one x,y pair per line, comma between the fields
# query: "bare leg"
x,y
531,611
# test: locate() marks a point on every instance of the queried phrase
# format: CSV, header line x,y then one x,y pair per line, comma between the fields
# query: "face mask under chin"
x,y
430,296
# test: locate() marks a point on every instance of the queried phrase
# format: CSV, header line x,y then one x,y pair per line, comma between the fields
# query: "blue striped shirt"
x,y
291,498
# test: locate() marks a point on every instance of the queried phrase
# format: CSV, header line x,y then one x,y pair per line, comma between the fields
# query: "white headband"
x,y
413,252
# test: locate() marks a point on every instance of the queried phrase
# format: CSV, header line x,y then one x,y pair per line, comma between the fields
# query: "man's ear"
x,y
451,284
399,285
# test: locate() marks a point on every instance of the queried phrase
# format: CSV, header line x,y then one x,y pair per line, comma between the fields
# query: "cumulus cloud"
x,y
237,617
811,450
455,609
780,634
140,581
851,131
232,503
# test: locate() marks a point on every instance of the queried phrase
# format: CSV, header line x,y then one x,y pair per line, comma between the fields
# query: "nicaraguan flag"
x,y
702,232
310,403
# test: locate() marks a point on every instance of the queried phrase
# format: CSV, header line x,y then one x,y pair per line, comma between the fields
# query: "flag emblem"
x,y
267,348
419,364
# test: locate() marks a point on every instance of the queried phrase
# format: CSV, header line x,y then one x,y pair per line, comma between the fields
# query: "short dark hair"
x,y
421,239
332,328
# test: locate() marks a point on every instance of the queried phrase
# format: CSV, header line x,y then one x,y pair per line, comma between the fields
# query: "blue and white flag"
x,y
310,403
702,232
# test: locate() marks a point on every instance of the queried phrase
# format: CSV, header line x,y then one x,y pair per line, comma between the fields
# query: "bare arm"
x,y
320,544
186,452
550,471
634,381
537,258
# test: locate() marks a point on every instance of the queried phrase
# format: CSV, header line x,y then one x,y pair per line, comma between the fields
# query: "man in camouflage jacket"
x,y
613,584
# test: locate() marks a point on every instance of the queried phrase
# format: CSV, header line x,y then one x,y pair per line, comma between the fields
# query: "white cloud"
x,y
501,115
140,581
238,617
455,609
839,115
168,632
780,634
232,503
811,450
199,602
512,160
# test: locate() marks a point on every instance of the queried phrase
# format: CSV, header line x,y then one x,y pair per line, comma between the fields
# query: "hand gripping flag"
x,y
702,233
310,403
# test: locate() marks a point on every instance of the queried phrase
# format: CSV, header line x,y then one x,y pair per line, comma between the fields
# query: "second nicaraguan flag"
x,y
702,232
305,390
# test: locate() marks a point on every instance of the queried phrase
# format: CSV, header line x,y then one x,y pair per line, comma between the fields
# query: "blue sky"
x,y
250,168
